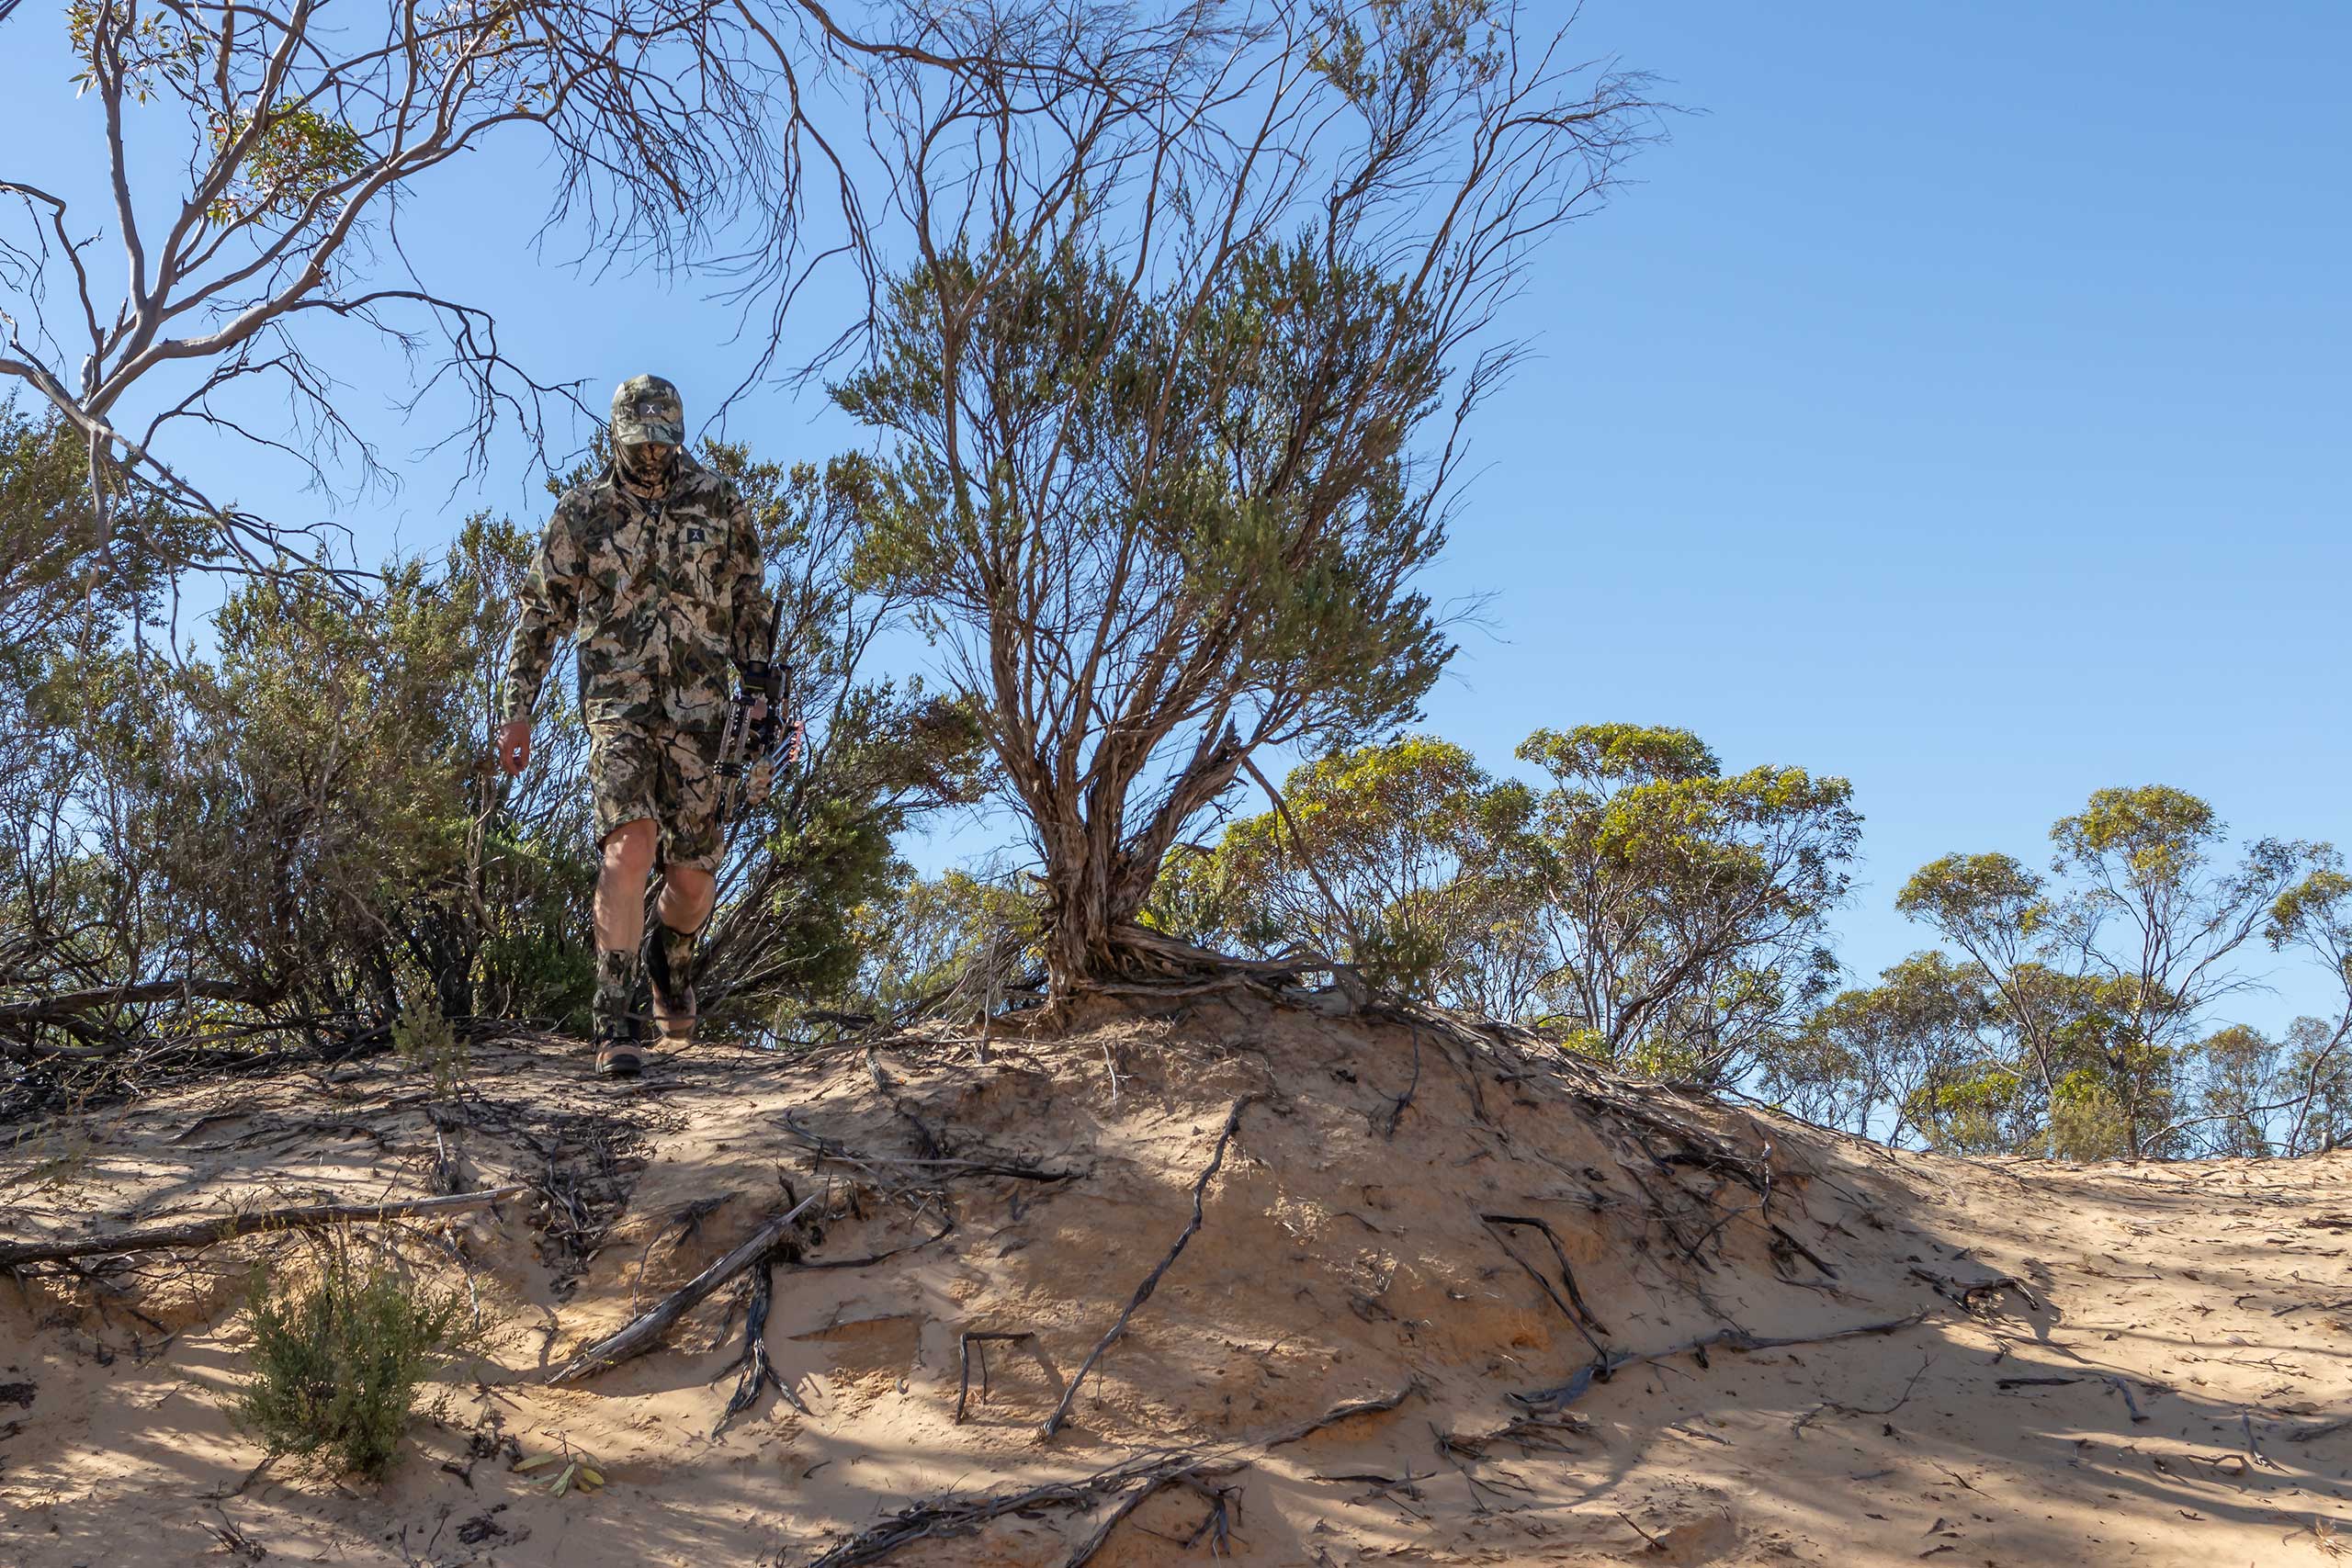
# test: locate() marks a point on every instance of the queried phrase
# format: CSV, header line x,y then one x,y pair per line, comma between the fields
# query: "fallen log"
x,y
209,1233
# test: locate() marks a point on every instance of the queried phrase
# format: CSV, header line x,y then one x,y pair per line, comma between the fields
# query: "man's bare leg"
x,y
620,930
620,886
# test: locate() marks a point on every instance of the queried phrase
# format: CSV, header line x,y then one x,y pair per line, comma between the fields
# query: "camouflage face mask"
x,y
637,464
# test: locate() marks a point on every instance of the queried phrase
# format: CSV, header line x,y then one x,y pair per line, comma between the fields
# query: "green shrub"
x,y
425,1043
337,1361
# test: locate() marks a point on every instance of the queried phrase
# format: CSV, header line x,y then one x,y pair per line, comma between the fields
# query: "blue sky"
x,y
1958,402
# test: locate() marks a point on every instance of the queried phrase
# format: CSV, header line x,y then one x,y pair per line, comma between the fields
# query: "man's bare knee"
x,y
629,847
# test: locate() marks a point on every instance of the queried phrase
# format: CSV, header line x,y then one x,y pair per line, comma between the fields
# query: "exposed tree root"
x,y
1130,1482
757,1372
1970,1293
1605,1366
1579,1313
1151,1281
964,1345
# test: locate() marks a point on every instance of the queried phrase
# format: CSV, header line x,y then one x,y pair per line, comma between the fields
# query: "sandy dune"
x,y
1369,1352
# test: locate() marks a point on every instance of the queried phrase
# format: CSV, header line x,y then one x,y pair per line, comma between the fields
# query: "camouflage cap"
x,y
647,408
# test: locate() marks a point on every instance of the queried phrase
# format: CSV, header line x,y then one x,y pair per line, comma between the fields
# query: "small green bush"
x,y
337,1361
425,1043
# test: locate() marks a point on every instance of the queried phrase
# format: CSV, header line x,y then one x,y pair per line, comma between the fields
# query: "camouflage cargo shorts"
x,y
658,771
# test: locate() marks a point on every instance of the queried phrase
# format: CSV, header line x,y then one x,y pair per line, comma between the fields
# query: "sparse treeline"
x,y
1646,907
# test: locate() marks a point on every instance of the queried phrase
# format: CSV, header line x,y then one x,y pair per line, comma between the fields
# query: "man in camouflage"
x,y
654,570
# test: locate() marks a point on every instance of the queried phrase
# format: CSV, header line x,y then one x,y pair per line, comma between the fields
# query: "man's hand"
x,y
514,746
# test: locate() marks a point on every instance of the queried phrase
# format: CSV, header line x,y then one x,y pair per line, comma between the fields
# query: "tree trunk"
x,y
1098,877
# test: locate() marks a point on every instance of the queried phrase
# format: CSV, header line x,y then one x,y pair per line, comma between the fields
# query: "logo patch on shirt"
x,y
694,536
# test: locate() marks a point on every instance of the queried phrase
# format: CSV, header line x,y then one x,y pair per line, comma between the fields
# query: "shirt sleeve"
x,y
550,606
748,583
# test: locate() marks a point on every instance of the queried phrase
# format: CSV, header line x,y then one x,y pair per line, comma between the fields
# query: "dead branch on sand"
x,y
646,1331
200,1234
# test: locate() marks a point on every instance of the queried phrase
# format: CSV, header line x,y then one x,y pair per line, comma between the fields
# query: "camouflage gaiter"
x,y
616,981
670,960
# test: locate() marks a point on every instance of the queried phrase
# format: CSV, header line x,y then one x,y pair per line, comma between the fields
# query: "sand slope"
x,y
2163,1379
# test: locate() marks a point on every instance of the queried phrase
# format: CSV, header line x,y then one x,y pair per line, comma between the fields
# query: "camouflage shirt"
x,y
659,595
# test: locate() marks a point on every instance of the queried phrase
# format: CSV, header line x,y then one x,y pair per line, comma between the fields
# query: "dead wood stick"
x,y
1151,1281
225,1227
1338,1413
59,1003
646,1330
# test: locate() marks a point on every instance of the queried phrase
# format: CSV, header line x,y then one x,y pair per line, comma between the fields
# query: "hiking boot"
x,y
669,971
616,1053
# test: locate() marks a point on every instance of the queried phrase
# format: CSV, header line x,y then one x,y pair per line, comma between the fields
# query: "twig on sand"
x,y
646,1331
1969,1292
963,1344
202,1234
1151,1281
